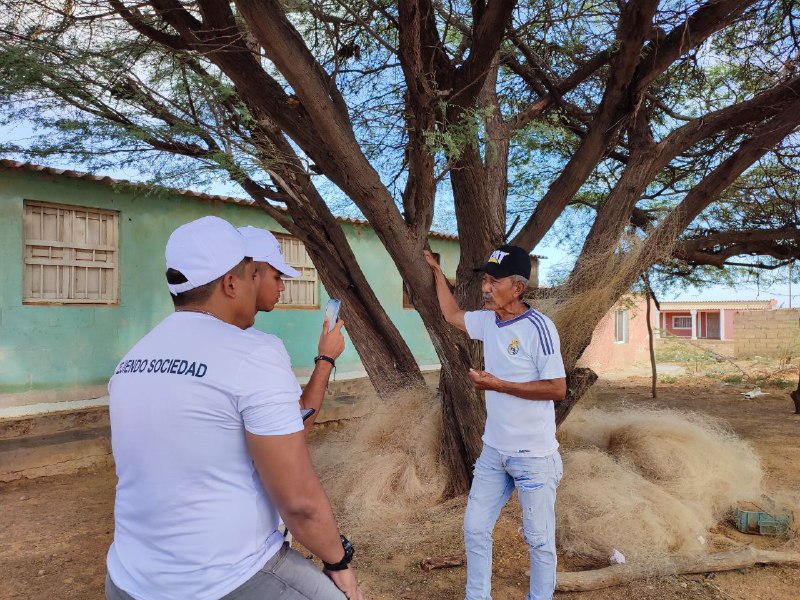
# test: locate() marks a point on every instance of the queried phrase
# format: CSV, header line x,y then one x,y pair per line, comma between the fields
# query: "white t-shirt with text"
x,y
525,348
192,519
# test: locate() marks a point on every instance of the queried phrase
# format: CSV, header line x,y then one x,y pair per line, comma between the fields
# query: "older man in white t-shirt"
x,y
210,450
524,376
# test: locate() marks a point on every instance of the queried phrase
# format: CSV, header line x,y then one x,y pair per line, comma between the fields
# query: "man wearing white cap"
x,y
209,447
265,249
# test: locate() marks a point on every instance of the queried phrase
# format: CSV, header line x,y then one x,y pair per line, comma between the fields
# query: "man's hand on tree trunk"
x,y
431,261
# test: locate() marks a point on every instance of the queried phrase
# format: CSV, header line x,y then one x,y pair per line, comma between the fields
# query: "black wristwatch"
x,y
326,359
348,556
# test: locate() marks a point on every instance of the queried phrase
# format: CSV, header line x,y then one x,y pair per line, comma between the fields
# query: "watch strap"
x,y
325,358
339,566
348,556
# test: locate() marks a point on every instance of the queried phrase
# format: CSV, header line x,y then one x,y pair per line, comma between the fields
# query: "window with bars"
x,y
71,255
300,292
621,326
680,322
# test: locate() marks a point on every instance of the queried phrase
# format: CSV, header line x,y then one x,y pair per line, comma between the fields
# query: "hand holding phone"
x,y
331,340
332,312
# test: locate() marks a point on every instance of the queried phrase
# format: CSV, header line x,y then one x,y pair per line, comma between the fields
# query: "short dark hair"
x,y
203,292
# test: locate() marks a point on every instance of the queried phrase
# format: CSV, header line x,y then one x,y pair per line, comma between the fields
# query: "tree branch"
x,y
695,30
716,248
536,108
634,27
489,27
762,141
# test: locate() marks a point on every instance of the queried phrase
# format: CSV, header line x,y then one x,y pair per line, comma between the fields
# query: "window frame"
x,y
625,314
113,248
687,327
280,236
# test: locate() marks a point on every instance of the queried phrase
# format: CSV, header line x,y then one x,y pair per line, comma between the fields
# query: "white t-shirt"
x,y
525,348
192,519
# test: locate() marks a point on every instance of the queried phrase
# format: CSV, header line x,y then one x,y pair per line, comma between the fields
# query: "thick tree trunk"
x,y
463,418
578,383
463,410
386,357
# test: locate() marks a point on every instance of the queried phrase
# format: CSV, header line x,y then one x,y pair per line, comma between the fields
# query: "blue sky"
x,y
746,291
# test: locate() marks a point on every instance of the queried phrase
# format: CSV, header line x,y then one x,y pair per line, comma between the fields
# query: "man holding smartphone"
x,y
210,449
265,249
524,376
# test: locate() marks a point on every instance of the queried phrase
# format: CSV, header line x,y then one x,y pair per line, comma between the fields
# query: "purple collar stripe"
x,y
524,315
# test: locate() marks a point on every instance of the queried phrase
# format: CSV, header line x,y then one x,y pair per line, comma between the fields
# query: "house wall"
x,y
677,332
702,321
604,354
730,330
767,333
67,352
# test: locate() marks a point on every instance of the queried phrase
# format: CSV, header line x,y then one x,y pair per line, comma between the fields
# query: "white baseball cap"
x,y
203,251
262,246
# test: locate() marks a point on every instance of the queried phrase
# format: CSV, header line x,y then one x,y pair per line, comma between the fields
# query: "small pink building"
x,y
709,320
620,339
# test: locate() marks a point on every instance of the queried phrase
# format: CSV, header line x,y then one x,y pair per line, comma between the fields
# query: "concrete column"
x,y
721,323
694,323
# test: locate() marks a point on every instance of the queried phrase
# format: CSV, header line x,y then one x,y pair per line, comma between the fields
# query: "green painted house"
x,y
83,279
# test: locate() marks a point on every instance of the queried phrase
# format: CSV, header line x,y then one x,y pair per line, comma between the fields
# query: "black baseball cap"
x,y
507,261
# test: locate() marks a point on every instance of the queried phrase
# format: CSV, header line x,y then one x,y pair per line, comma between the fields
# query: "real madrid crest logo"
x,y
513,347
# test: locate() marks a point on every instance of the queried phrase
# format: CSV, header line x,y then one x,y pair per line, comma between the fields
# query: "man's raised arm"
x,y
447,302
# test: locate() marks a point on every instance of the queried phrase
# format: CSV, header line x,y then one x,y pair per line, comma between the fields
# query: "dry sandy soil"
x,y
55,531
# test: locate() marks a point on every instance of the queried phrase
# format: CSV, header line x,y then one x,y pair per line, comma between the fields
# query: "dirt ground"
x,y
55,531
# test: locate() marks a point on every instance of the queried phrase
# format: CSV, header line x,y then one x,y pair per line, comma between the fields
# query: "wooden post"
x,y
648,294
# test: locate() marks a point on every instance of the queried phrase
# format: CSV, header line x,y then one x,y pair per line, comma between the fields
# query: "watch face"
x,y
349,550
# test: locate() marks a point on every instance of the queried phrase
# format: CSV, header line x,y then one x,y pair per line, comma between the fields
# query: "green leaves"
x,y
451,138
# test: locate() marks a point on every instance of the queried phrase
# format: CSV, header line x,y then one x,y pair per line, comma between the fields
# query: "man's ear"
x,y
229,285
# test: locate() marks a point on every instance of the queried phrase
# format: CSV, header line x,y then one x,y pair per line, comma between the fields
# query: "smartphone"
x,y
307,412
332,312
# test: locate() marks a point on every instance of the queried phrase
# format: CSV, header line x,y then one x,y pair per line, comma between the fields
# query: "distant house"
x,y
620,339
712,320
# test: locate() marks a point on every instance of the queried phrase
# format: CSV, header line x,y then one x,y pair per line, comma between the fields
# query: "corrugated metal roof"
x,y
13,164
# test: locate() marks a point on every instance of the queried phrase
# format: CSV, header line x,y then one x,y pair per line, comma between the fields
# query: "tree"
x,y
632,119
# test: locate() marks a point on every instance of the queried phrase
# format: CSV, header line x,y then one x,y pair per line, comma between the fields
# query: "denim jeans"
x,y
288,575
536,480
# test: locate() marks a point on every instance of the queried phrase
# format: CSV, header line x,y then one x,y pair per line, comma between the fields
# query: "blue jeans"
x,y
536,480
